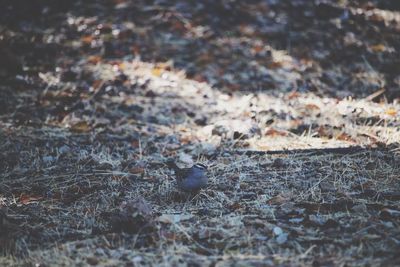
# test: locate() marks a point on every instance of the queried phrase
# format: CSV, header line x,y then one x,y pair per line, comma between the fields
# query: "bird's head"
x,y
200,166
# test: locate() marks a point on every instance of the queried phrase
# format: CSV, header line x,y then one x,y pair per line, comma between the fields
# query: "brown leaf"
x,y
277,200
81,127
391,112
136,170
293,95
27,199
312,106
258,48
378,48
97,84
345,137
94,59
275,65
87,39
157,71
275,132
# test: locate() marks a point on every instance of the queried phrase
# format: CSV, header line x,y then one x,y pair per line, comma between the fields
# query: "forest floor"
x,y
293,105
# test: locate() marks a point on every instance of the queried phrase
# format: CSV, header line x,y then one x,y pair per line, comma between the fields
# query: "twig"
x,y
375,94
312,151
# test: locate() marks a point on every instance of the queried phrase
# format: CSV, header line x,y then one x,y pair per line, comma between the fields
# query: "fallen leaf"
x,y
80,127
293,94
94,59
378,48
344,137
27,199
87,39
275,132
157,71
258,48
136,170
277,200
312,106
391,112
97,83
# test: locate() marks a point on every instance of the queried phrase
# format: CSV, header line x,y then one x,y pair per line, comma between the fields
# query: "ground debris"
x,y
292,105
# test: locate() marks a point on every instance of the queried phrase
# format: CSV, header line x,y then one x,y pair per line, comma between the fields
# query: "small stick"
x,y
312,151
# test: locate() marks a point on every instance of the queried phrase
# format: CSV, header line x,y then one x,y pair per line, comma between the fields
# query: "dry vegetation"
x,y
301,141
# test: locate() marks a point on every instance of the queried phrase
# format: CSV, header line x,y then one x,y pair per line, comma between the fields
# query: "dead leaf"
x,y
293,94
322,131
277,200
275,65
312,106
275,132
27,199
258,48
157,71
136,170
97,84
344,137
80,127
87,39
94,59
391,112
378,48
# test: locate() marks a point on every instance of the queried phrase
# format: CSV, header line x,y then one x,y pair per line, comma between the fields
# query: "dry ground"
x,y
293,106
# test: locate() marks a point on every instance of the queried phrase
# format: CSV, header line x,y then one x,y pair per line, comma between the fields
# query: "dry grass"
x,y
83,146
329,209
64,190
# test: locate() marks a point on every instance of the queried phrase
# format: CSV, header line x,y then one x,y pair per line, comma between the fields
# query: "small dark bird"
x,y
189,179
